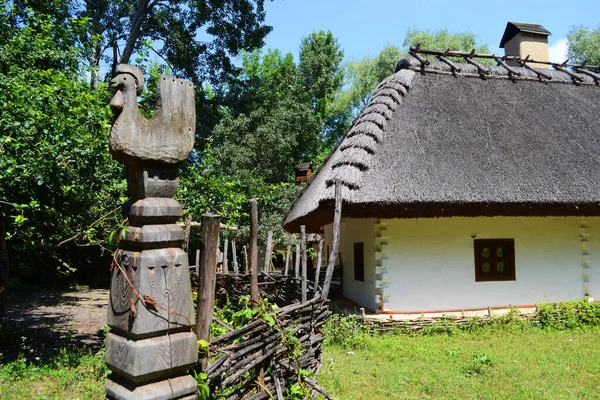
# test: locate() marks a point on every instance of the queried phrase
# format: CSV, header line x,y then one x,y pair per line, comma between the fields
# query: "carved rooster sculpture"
x,y
169,136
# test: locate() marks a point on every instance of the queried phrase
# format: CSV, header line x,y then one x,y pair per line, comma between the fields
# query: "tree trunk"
x,y
138,18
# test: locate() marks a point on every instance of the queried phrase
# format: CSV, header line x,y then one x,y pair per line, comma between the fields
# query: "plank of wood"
x,y
287,260
335,244
209,242
234,256
245,259
268,251
319,261
225,261
254,251
304,261
297,262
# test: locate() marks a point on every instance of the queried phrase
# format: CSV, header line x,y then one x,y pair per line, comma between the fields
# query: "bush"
x,y
345,331
568,315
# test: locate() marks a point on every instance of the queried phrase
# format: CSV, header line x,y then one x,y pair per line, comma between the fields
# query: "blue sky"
x,y
364,27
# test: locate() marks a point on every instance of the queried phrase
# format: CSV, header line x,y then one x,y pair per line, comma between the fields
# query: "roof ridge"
x,y
354,154
543,75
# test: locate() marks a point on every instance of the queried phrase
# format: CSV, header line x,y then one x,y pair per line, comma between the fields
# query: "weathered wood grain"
x,y
209,243
4,270
166,389
287,260
234,258
268,251
297,261
168,137
319,262
254,251
148,359
303,252
225,261
335,243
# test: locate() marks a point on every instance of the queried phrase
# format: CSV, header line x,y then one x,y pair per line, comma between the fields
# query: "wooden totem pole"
x,y
151,345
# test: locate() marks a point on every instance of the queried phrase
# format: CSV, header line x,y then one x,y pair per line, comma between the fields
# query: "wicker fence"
x,y
256,361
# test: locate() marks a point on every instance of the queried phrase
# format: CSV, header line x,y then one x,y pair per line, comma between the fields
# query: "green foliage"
x,y
478,365
491,363
443,40
345,331
56,175
66,373
362,78
569,315
320,69
203,388
584,45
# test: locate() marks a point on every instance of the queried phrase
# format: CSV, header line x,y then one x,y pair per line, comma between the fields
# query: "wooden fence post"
x,y
188,222
254,251
197,263
287,260
245,248
268,252
3,267
151,345
297,262
303,250
209,243
319,261
225,247
234,256
335,243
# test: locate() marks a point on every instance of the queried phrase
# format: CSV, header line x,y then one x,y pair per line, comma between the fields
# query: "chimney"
x,y
303,172
524,40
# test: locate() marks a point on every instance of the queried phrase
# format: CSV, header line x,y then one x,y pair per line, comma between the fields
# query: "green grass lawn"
x,y
493,363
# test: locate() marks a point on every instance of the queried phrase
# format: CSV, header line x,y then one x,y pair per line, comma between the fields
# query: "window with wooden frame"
x,y
359,262
494,260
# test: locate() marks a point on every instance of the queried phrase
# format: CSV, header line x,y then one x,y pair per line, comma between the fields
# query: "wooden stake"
x,y
209,243
188,222
225,247
319,261
303,251
254,251
268,253
335,244
197,264
287,260
234,256
297,262
245,248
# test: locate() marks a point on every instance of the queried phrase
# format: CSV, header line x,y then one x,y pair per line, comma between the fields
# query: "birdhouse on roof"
x,y
303,172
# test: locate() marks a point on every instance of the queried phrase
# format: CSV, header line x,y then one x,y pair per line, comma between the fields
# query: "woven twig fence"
x,y
439,323
254,360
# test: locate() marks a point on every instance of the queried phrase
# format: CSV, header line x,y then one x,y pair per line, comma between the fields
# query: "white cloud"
x,y
558,51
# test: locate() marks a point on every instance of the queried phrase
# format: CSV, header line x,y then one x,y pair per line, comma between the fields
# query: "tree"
x,y
584,45
320,69
56,175
195,38
443,40
364,75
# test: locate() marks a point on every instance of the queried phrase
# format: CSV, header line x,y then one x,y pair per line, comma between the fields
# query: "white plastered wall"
x,y
355,231
431,262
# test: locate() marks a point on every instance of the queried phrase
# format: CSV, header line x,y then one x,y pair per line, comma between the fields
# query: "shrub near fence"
x,y
278,351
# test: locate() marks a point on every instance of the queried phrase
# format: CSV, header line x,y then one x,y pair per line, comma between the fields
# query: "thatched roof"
x,y
434,144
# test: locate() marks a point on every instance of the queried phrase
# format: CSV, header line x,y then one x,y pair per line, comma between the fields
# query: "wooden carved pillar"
x,y
151,345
